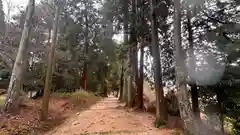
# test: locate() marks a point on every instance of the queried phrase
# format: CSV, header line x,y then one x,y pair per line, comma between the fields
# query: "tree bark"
x,y
121,82
125,87
2,20
161,109
141,75
133,75
130,81
125,29
48,81
190,123
194,91
195,104
104,71
86,46
12,99
49,36
219,91
141,46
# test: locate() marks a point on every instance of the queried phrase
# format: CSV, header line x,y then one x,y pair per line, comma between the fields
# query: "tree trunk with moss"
x,y
12,99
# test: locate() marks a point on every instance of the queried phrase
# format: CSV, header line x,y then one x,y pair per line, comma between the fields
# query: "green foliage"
x,y
228,125
62,94
160,123
4,74
176,132
80,94
81,99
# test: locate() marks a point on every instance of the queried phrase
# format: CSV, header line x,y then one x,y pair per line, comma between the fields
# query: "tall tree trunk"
x,y
130,81
125,29
161,109
48,81
125,85
103,71
25,71
121,82
84,85
2,20
132,76
49,36
194,91
17,72
141,75
219,91
190,123
141,46
195,104
135,73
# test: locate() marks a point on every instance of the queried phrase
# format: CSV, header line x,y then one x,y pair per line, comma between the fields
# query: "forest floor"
x,y
25,120
109,117
83,113
79,113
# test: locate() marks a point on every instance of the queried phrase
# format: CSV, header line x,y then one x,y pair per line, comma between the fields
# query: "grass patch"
x,y
61,94
176,132
83,99
228,125
1,101
2,98
160,123
79,98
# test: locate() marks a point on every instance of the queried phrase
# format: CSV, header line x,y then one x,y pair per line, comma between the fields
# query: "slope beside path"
x,y
108,116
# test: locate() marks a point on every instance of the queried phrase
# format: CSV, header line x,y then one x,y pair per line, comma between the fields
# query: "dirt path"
x,y
108,117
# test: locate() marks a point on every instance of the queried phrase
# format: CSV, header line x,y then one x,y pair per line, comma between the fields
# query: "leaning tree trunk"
x,y
190,123
194,91
48,81
161,109
12,99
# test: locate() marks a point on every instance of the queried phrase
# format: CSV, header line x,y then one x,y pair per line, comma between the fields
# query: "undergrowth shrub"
x,y
80,98
176,132
1,102
160,123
